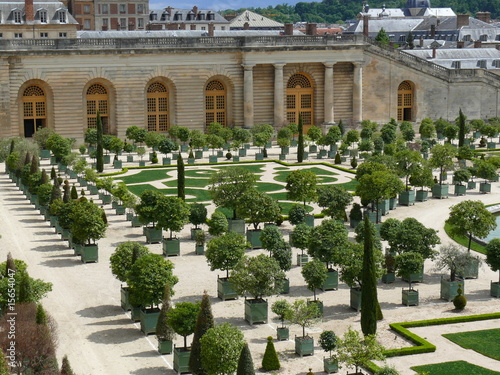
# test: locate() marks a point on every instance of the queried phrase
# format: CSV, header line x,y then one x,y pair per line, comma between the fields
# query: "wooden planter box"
x,y
302,259
309,220
90,253
120,210
285,150
353,223
495,289
181,360
135,222
492,145
388,278
313,149
332,280
330,365
355,300
236,158
153,235
171,247
383,207
78,247
304,346
135,313
237,225
318,303
65,234
410,297
242,152
130,158
471,185
282,157
282,333
184,148
212,159
449,288
93,189
440,191
199,249
460,189
471,270
415,277
166,161
393,203
225,289
118,164
485,187
253,236
422,195
125,298
165,347
259,156
372,216
149,319
256,311
142,163
105,198
107,159
285,286
44,154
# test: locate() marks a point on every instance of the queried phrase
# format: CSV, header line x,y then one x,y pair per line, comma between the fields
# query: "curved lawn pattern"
x,y
485,342
146,176
454,368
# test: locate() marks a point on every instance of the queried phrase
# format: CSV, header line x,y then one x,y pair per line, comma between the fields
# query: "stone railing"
x,y
178,42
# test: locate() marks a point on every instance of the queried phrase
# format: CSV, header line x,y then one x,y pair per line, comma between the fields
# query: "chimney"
x,y
484,16
462,20
288,28
169,10
246,26
211,29
310,29
365,24
28,9
433,31
477,44
195,10
421,44
460,44
434,52
193,27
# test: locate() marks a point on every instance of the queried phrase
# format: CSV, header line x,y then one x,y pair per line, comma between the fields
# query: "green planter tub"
x,y
237,225
120,210
118,164
256,311
485,187
90,253
355,299
282,157
471,185
166,161
309,220
165,346
285,286
181,360
198,154
332,280
460,189
65,234
471,270
313,149
304,346
330,365
135,222
449,288
78,247
135,313
440,191
242,152
422,195
259,156
153,235
193,232
415,277
410,297
212,159
302,259
225,289
495,289
388,278
253,236
383,207
199,249
318,303
130,158
407,198
149,319
125,298
171,247
282,333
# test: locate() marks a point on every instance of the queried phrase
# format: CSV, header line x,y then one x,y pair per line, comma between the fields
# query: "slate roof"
x,y
469,58
177,33
388,24
162,16
254,20
7,15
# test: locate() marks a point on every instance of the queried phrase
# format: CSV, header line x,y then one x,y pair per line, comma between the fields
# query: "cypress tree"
x,y
99,146
41,315
27,158
461,128
163,331
53,174
369,300
204,322
45,178
56,191
181,178
67,192
74,193
300,144
66,367
245,363
341,127
34,165
270,361
12,145
25,291
338,160
409,40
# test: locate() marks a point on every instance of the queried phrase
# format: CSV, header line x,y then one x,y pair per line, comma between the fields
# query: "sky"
x,y
219,4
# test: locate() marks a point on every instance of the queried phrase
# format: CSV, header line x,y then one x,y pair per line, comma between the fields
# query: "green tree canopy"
x,y
382,38
171,213
124,257
258,207
301,186
314,273
327,241
182,318
334,199
493,255
354,350
225,251
87,223
442,158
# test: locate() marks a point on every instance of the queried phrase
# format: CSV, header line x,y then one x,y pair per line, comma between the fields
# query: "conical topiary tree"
x,y
66,367
163,331
270,361
204,322
369,300
181,178
245,363
100,144
300,145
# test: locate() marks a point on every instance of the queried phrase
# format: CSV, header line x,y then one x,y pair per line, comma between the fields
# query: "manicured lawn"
x,y
206,173
255,168
281,176
454,368
279,196
146,176
485,342
464,241
351,185
268,186
285,207
190,182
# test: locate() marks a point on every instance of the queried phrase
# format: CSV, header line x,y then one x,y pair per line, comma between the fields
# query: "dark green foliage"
x,y
44,179
354,163
328,341
53,174
337,160
41,315
459,301
27,158
297,214
74,192
204,322
163,331
314,273
154,158
300,144
369,300
356,213
409,40
66,367
217,224
100,145
125,255
245,363
67,193
34,165
341,127
270,361
461,126
198,214
382,37
181,178
182,318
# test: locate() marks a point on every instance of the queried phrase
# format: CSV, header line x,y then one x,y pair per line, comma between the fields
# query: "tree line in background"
x,y
337,11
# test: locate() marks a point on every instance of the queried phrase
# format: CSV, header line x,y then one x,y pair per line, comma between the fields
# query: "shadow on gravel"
x,y
58,247
117,322
70,261
150,371
115,336
146,354
101,311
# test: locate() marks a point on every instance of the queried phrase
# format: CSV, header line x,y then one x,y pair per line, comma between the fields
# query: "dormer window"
x,y
153,17
42,16
178,16
190,16
17,16
483,38
466,38
455,64
210,16
481,64
496,63
61,16
164,16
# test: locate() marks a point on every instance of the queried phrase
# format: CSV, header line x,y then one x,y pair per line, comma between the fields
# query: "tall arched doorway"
x,y
157,107
405,101
34,110
299,100
98,100
215,103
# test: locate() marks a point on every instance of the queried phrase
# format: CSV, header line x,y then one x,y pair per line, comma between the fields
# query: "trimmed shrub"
x,y
459,301
270,361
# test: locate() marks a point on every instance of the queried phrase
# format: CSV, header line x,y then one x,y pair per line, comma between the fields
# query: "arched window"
x,y
97,100
34,110
405,101
157,102
299,100
215,103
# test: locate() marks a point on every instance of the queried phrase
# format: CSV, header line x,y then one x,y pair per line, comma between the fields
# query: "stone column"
x,y
279,95
248,95
328,94
357,93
